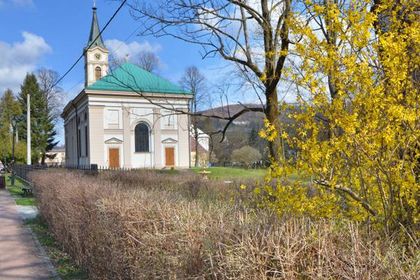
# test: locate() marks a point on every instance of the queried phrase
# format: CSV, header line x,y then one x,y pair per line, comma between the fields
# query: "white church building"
x,y
127,117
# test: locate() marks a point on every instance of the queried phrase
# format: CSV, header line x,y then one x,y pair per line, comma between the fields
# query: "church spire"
x,y
94,31
96,56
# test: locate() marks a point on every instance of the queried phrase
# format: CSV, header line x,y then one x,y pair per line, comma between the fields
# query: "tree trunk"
x,y
43,157
272,114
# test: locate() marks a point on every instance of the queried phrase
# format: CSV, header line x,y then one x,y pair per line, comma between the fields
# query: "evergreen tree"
x,y
42,126
9,109
253,137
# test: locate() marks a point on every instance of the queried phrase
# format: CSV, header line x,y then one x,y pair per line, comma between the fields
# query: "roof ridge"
x,y
150,73
131,77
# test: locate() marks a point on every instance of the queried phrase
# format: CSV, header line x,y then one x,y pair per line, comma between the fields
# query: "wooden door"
x,y
114,158
169,156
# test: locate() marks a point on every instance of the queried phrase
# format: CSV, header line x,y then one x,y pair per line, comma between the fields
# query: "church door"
x,y
114,158
169,156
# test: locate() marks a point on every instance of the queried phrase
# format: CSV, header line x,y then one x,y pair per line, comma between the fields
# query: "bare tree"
x,y
114,63
148,61
194,82
252,34
163,103
47,80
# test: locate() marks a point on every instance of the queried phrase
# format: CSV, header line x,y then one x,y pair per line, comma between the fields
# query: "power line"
x,y
85,50
119,47
115,50
126,39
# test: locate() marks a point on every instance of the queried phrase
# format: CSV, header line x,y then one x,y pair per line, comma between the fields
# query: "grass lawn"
x,y
25,201
231,173
17,192
66,268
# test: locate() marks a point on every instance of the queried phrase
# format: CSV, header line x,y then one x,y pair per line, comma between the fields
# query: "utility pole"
x,y
28,130
13,140
14,124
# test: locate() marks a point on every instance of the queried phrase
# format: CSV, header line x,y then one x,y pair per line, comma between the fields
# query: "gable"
x,y
113,140
169,141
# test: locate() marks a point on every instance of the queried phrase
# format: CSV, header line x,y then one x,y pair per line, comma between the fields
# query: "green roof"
x,y
132,78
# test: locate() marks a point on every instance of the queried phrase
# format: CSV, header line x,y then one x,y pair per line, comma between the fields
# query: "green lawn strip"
x,y
26,201
14,190
66,268
17,193
231,173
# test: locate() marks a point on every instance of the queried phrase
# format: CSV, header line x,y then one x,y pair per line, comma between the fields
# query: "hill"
x,y
242,132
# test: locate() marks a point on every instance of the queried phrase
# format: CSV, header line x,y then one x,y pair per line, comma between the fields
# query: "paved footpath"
x,y
20,256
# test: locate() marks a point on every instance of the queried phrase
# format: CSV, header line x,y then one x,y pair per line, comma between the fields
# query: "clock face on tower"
x,y
98,56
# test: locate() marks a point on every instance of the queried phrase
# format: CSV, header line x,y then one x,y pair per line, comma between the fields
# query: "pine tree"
x,y
42,126
9,109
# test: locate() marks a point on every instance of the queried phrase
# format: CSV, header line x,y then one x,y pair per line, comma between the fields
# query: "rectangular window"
x,y
86,142
79,142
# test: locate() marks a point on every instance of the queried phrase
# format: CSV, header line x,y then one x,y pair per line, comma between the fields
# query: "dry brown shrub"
x,y
159,226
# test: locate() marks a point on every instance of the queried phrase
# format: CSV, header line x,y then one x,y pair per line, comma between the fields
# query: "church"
x,y
126,117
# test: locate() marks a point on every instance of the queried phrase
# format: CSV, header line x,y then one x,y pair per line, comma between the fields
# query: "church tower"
x,y
96,56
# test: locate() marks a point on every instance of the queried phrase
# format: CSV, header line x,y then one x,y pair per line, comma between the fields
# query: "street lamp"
x,y
14,122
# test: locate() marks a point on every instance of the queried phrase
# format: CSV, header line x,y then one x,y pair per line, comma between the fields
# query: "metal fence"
x,y
23,170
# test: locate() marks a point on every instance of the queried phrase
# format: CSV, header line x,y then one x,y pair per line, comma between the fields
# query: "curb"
x,y
43,254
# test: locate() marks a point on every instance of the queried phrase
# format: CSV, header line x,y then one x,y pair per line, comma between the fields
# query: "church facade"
x,y
127,117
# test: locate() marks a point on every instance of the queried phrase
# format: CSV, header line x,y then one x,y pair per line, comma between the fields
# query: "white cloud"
x,y
19,58
120,50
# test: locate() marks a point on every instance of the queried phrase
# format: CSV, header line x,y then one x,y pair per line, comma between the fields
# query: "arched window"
x,y
98,73
141,136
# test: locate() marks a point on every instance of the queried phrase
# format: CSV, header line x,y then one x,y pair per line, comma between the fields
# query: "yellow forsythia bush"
x,y
357,124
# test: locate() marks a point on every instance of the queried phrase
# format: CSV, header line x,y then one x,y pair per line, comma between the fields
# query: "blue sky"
x,y
52,34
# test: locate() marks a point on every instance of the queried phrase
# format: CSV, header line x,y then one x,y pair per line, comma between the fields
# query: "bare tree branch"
x,y
349,192
252,34
165,102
